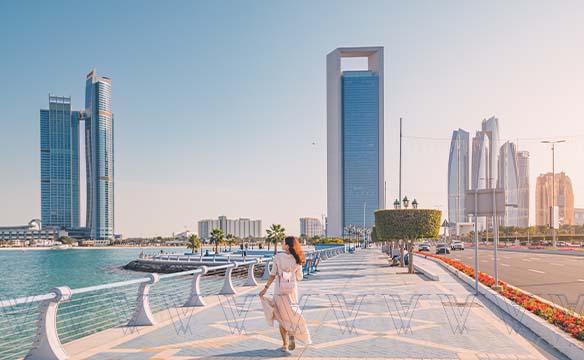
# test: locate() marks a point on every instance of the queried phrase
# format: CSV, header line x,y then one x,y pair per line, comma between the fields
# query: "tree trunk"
x,y
411,257
401,253
275,248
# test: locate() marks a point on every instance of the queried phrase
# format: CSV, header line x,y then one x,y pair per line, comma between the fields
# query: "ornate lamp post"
x,y
415,204
396,204
406,202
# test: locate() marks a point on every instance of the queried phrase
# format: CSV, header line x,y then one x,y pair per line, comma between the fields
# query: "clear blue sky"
x,y
217,103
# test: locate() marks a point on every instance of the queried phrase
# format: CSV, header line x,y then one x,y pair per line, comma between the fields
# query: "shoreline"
x,y
35,248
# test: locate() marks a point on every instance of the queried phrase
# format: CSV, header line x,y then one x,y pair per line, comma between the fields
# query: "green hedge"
x,y
330,241
407,224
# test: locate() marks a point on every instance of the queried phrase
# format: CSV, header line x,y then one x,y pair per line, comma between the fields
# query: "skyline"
x,y
438,78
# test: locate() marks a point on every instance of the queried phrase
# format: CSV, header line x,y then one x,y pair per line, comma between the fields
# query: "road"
x,y
558,278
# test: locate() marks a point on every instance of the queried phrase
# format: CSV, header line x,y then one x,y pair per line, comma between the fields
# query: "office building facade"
x,y
523,192
99,152
59,147
310,227
490,127
355,141
458,176
563,199
508,180
578,216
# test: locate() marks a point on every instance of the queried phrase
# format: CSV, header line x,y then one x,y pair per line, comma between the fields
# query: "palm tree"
x,y
216,238
276,233
193,243
230,239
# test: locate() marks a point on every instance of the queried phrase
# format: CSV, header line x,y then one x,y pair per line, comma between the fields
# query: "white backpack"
x,y
286,282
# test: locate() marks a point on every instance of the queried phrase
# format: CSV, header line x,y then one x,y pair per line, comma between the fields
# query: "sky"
x,y
218,103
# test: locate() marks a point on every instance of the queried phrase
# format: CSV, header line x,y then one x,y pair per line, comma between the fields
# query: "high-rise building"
x,y
241,228
491,128
310,227
508,180
481,170
458,173
99,152
59,164
355,142
563,196
578,216
523,193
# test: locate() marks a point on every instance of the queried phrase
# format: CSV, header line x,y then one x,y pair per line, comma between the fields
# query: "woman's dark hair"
x,y
295,249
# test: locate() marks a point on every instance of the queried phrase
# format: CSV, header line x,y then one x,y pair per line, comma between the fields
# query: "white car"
x,y
457,245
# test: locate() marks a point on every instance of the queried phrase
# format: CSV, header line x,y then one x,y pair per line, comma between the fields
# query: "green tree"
x,y
65,240
276,233
216,238
193,243
230,239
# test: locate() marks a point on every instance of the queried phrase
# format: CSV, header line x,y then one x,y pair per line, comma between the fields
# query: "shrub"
x,y
407,224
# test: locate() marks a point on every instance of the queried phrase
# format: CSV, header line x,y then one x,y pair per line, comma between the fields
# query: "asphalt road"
x,y
558,278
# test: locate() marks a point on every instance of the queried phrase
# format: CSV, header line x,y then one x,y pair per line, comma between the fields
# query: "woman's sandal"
x,y
292,345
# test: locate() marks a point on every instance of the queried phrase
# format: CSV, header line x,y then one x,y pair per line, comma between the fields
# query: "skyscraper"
x,y
355,171
564,199
59,164
491,128
508,179
99,152
481,170
523,195
458,173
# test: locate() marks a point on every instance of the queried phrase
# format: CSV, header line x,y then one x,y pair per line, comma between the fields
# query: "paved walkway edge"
x,y
425,271
557,338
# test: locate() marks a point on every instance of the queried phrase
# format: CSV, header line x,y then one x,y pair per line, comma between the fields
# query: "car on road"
x,y
457,245
442,248
424,247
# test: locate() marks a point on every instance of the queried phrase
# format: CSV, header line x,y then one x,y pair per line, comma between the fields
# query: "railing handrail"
x,y
52,295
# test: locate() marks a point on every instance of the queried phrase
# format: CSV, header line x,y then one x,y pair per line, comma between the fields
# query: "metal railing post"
x,y
143,314
228,288
266,274
47,344
251,281
196,297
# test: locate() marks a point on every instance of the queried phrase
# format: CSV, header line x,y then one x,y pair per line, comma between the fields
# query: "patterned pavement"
x,y
357,307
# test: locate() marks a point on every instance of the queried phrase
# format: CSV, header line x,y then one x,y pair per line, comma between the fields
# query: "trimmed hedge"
x,y
398,224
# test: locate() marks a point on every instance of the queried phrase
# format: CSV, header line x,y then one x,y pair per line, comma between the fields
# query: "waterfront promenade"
x,y
356,306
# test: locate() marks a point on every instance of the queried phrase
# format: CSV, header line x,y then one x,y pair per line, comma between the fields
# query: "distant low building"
x,y
29,235
310,227
579,216
241,228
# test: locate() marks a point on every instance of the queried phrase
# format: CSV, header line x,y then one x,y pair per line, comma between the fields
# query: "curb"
x,y
557,338
425,272
547,252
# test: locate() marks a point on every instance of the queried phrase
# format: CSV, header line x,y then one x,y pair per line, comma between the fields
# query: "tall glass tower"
x,y
509,181
458,176
59,164
99,152
355,171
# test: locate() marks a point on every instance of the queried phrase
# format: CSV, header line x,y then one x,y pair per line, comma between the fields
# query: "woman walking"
x,y
287,269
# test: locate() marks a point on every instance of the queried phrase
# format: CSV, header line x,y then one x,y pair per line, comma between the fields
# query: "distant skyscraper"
x,y
59,164
523,195
458,176
564,199
508,179
310,227
355,162
491,128
99,152
480,161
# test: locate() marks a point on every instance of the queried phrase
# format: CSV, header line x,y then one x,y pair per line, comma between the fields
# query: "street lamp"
x,y
396,204
406,202
552,208
415,204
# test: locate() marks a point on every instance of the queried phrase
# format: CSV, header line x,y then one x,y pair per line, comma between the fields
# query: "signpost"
x,y
485,202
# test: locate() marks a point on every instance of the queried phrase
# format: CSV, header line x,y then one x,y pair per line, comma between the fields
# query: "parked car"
x,y
442,249
424,247
457,245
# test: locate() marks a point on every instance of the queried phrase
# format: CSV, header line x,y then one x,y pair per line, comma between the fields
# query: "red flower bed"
x,y
567,321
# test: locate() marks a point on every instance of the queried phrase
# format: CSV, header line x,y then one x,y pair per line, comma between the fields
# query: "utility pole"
x,y
553,207
400,159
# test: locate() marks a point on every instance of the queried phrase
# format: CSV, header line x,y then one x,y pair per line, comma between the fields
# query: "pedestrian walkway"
x,y
357,307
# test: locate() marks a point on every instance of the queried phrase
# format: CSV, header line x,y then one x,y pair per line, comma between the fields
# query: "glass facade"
x,y
59,136
99,157
509,180
458,176
360,150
